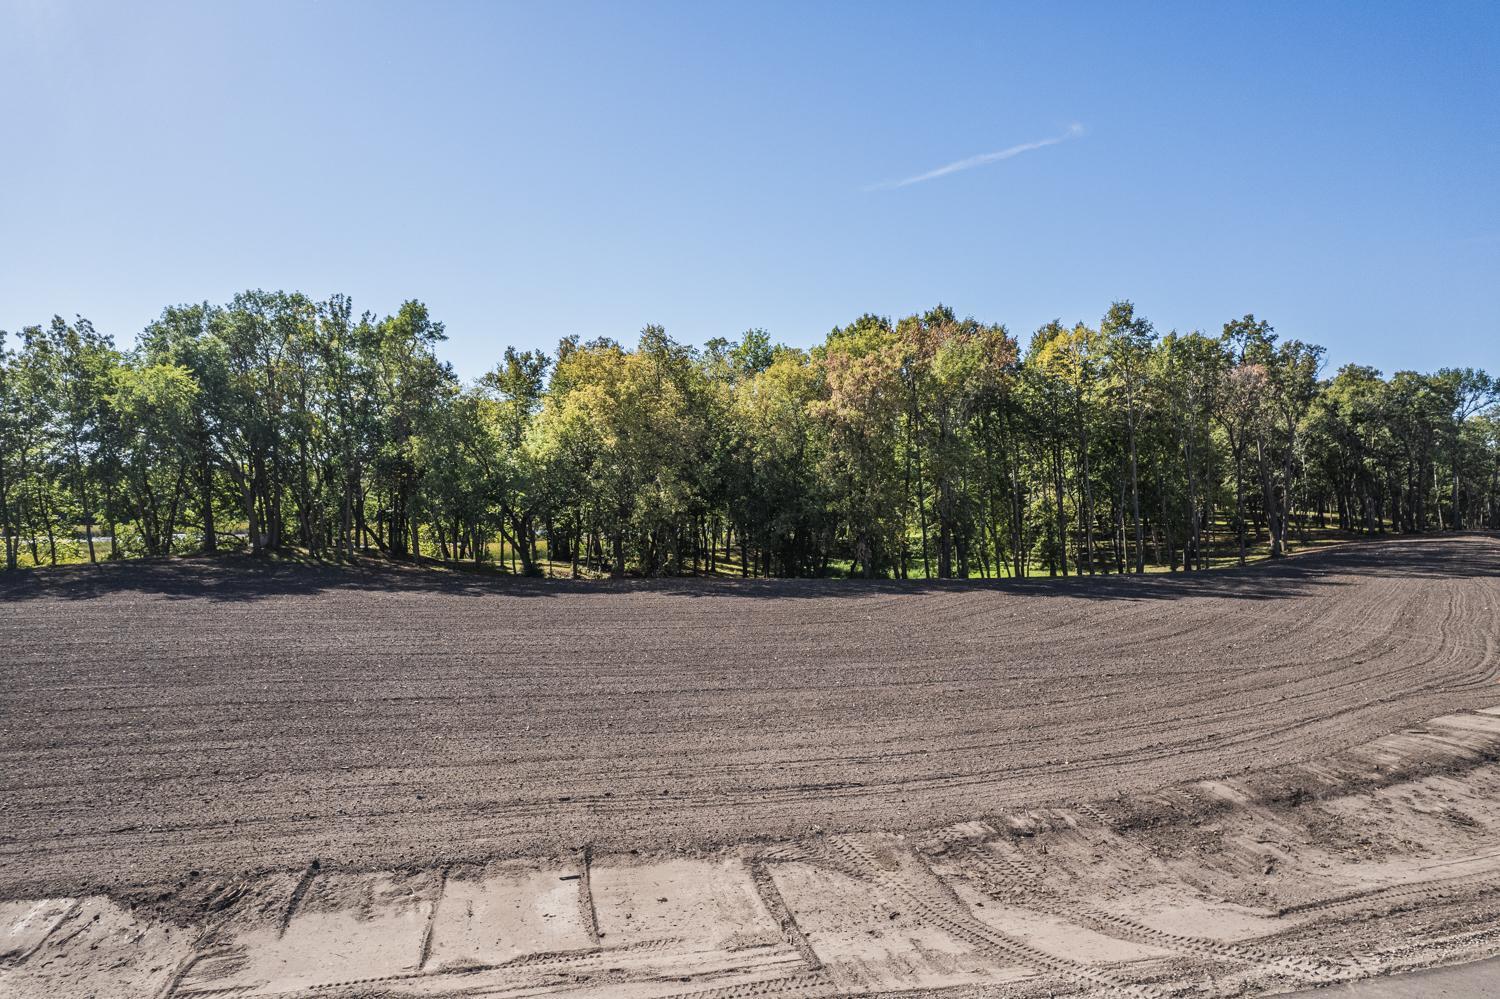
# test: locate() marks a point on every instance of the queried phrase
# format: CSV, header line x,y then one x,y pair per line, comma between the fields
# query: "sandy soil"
x,y
230,715
1375,861
251,779
1480,980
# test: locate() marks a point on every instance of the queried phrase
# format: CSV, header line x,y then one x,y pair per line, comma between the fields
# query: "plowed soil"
x,y
235,715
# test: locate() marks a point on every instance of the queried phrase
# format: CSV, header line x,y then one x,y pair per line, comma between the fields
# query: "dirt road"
x,y
235,715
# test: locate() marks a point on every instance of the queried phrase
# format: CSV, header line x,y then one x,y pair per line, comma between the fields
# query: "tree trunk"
x,y
1135,502
1062,517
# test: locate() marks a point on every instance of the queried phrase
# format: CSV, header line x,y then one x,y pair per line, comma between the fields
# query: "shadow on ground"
x,y
248,578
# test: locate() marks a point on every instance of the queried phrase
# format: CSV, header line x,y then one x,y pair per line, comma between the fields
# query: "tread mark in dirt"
x,y
181,972
816,982
826,854
775,904
205,946
1008,876
784,852
297,894
573,956
525,961
230,893
67,916
1481,885
948,912
1090,812
432,919
1391,959
1124,928
586,907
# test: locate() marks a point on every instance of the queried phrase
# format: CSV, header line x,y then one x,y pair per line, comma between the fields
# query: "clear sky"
x,y
532,171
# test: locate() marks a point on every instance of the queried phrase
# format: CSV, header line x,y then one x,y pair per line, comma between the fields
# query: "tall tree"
x,y
1128,340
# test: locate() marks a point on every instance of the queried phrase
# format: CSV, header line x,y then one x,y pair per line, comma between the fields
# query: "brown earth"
x,y
1376,861
268,780
234,715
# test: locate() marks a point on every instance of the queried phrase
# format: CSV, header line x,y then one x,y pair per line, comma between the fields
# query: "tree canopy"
x,y
933,445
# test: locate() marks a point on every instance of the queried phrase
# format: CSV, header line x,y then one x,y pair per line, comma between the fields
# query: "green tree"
x,y
154,406
1128,342
859,419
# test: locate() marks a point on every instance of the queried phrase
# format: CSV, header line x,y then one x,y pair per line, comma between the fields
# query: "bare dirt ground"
x,y
243,778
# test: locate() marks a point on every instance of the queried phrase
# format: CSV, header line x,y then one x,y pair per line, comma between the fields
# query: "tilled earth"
x,y
233,714
254,778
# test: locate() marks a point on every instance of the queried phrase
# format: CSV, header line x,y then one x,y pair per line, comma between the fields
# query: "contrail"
x,y
1074,130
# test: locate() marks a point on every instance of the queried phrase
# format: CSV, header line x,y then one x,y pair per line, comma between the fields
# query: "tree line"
x,y
932,446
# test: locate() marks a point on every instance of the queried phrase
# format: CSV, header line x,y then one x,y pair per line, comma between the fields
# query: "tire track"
x,y
1435,890
806,983
437,900
944,910
786,920
1014,880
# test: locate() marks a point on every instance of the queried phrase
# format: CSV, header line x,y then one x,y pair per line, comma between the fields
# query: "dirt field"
x,y
190,737
230,716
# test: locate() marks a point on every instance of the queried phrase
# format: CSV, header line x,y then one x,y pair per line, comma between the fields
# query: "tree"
x,y
860,422
926,446
1128,341
1472,391
516,387
778,496
409,386
1050,390
1193,376
184,336
154,406
10,451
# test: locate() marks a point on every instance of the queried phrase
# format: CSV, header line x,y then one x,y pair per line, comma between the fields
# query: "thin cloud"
x,y
983,159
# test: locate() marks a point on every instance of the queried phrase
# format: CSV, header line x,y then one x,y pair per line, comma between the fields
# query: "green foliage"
x,y
153,407
930,446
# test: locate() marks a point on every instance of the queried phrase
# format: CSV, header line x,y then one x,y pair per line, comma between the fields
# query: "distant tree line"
x,y
931,446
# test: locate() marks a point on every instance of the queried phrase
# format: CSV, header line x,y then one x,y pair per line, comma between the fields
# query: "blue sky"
x,y
539,170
